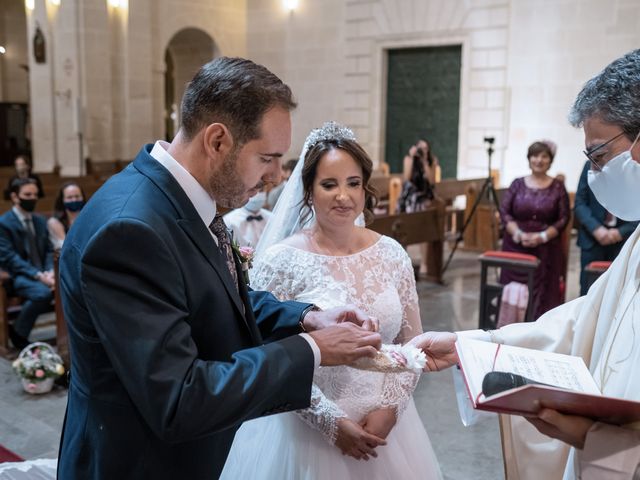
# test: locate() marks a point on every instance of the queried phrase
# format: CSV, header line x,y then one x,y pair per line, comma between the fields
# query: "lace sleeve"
x,y
322,415
399,387
268,274
272,272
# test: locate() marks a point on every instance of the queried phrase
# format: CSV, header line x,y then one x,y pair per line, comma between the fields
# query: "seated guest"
x,y
535,211
69,202
274,193
248,222
601,235
23,170
26,254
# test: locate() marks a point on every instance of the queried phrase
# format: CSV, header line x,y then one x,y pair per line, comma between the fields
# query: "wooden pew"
x,y
420,227
388,188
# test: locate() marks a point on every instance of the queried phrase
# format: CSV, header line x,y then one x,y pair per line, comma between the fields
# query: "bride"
x,y
360,424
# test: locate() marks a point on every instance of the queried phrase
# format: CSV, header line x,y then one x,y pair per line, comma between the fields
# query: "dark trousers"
x,y
603,253
37,300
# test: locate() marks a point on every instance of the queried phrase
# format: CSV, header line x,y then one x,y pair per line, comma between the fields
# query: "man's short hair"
x,y
612,96
18,183
235,92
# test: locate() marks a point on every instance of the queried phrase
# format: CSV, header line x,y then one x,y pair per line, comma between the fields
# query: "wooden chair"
x,y
10,307
491,293
395,189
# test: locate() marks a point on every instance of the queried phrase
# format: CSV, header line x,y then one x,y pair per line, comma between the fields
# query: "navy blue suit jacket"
x,y
591,214
14,256
166,364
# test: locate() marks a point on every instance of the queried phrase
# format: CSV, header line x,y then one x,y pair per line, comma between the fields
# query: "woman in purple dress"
x,y
535,211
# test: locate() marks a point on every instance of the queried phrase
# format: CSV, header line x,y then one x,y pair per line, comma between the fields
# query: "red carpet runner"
x,y
8,456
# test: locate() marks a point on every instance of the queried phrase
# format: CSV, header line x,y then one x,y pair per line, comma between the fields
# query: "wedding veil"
x,y
286,219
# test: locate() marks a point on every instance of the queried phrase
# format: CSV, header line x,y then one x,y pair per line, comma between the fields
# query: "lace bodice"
x,y
379,280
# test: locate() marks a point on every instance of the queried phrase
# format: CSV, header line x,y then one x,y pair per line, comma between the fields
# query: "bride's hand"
x,y
354,441
318,319
379,422
439,347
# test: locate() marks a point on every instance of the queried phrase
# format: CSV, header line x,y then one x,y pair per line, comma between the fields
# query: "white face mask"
x,y
256,202
617,185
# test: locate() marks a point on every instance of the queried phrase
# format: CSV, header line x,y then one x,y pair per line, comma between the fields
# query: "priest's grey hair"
x,y
613,96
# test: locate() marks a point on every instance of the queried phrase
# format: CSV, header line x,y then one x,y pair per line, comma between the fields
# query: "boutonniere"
x,y
245,255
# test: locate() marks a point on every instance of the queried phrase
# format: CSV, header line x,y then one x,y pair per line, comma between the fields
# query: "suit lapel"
x,y
207,246
190,222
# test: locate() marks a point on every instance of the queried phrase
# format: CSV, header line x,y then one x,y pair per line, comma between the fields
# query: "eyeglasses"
x,y
589,153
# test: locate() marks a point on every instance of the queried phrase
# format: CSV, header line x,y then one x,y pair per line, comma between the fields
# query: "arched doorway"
x,y
187,51
14,82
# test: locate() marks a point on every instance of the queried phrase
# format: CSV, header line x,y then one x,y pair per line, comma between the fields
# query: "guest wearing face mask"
x,y
248,222
23,170
69,202
26,254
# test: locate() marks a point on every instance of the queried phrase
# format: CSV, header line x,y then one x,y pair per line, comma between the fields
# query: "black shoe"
x,y
18,340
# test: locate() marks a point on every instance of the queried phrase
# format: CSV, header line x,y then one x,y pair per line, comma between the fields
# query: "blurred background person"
x,y
248,221
274,193
419,177
69,202
23,170
535,210
601,235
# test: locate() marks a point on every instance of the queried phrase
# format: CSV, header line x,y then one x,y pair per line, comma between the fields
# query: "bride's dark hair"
x,y
310,167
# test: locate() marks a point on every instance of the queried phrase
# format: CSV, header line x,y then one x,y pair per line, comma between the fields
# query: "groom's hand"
x,y
318,319
439,347
345,343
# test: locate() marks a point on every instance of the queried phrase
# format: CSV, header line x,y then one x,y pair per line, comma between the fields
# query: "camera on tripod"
x,y
489,140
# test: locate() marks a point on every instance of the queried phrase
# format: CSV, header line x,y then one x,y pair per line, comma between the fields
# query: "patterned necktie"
x,y
32,246
219,229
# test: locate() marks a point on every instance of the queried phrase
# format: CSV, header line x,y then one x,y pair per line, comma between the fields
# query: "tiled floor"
x,y
30,426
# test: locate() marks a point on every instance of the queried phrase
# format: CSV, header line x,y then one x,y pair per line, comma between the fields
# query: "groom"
x,y
171,352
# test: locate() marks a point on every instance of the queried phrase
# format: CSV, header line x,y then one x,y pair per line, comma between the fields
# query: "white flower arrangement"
x,y
37,363
393,359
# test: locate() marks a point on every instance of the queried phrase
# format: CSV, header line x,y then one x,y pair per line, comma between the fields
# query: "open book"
x,y
574,390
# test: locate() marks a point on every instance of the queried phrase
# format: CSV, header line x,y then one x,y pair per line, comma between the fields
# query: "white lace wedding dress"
x,y
299,445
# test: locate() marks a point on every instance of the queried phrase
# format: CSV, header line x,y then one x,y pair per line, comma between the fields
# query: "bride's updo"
x,y
317,151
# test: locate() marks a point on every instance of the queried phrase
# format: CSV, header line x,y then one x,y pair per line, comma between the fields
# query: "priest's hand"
x,y
439,347
570,429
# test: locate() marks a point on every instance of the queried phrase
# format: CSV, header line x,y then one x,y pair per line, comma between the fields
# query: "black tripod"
x,y
487,189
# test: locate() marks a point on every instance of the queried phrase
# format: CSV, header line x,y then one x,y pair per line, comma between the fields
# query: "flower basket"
x,y
36,388
38,365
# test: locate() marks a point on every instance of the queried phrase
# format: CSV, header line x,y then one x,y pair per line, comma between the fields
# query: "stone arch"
x,y
186,52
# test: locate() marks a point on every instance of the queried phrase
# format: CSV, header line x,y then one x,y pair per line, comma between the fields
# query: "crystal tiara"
x,y
328,131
